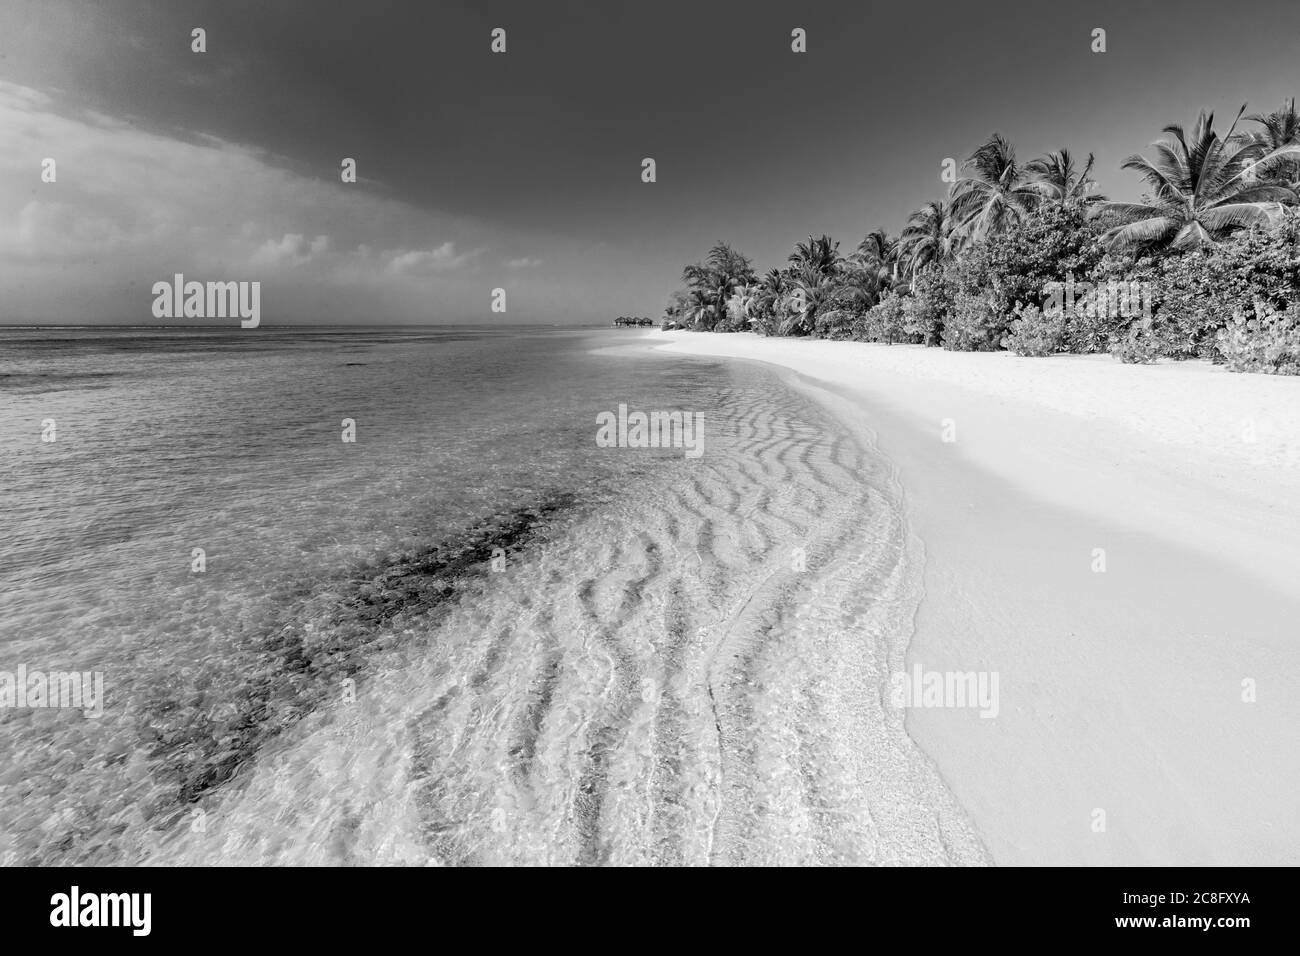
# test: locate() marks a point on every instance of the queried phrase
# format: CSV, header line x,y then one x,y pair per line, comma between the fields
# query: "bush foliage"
x,y
1025,257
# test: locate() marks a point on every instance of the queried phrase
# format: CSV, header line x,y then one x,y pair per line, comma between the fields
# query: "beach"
x,y
1119,545
479,625
515,631
688,674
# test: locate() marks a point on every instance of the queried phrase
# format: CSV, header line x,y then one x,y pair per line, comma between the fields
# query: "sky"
x,y
522,170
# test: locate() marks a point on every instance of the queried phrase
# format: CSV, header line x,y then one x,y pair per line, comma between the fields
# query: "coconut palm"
x,y
1281,128
857,287
678,305
877,255
816,256
741,307
768,293
1203,188
714,281
930,236
700,281
1056,180
814,267
995,194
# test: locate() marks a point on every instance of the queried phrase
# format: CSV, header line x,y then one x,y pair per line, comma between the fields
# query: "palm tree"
x,y
856,287
771,287
1202,188
1281,128
713,282
699,280
877,255
741,306
704,313
1055,179
996,194
930,236
814,267
817,256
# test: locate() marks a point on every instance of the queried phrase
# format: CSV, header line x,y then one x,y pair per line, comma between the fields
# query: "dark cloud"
x,y
540,148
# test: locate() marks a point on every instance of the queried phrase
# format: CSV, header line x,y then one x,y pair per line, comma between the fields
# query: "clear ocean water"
x,y
446,641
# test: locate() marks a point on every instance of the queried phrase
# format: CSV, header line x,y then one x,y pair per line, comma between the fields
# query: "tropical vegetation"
x,y
1211,252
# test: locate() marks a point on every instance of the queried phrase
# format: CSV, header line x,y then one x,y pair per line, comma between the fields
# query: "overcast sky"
x,y
522,170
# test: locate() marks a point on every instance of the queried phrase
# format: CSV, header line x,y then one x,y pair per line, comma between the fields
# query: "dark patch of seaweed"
x,y
282,671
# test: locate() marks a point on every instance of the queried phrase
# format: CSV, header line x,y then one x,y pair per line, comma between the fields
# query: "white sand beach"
x,y
1121,690
687,675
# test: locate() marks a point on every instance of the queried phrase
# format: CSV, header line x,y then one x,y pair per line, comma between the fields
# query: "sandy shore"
x,y
685,674
1122,735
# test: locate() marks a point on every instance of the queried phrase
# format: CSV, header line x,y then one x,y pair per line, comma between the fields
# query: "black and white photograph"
x,y
653,435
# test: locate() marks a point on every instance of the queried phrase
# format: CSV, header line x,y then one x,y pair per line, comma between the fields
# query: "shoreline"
x,y
678,678
1122,690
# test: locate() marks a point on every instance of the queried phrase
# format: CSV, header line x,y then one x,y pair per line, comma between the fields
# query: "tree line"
x,y
1212,250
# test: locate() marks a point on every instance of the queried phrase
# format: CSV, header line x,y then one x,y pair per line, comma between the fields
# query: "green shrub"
x,y
1140,346
974,325
797,310
1268,343
1035,333
922,317
1198,293
765,323
883,322
732,320
1047,245
1090,331
835,324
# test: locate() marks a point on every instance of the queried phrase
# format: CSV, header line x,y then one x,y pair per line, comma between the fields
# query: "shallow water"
x,y
471,636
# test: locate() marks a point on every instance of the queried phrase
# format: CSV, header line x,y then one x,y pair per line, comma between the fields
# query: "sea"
x,y
380,596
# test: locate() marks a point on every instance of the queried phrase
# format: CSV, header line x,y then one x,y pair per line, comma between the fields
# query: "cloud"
x,y
524,263
130,206
293,250
62,232
427,261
